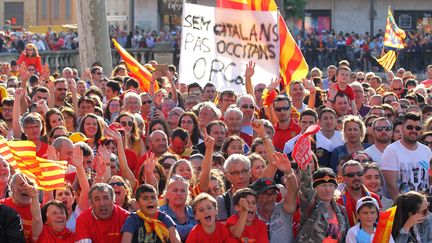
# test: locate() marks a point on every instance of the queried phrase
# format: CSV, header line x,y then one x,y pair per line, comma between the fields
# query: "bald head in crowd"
x,y
64,148
158,142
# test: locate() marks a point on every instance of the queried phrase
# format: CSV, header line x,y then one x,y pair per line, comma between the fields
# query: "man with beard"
x,y
103,221
352,172
286,127
382,130
406,156
60,92
21,187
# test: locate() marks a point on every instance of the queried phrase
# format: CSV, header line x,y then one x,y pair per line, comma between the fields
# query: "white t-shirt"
x,y
335,141
412,165
374,153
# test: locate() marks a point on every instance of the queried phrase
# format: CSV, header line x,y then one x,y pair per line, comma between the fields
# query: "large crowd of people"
x,y
186,163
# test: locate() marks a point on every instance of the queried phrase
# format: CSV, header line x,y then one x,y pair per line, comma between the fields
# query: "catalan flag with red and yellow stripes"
x,y
292,64
394,36
21,155
137,70
7,154
385,226
387,60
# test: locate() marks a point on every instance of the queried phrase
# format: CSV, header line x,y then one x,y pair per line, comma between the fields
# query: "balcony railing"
x,y
57,60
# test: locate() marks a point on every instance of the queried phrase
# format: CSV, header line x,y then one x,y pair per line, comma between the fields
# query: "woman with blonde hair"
x,y
353,131
30,56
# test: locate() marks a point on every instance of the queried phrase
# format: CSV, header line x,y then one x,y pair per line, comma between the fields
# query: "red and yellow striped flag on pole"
x,y
6,153
394,36
137,70
24,153
53,174
292,64
48,174
388,60
385,226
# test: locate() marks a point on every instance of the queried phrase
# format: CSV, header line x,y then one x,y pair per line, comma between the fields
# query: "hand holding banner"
x,y
302,152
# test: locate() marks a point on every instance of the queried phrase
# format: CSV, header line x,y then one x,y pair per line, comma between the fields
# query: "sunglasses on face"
x,y
147,102
360,79
248,107
411,127
129,123
119,183
166,166
352,174
279,109
383,128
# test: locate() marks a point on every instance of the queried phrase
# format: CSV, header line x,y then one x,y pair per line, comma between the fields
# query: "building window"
x,y
55,9
44,9
68,9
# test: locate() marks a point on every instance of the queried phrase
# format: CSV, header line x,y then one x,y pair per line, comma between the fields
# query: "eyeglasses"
x,y
352,174
388,115
284,108
147,102
383,128
411,127
118,183
360,79
248,106
397,89
237,173
128,123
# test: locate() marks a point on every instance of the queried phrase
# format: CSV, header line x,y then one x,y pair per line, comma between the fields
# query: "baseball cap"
x,y
366,201
263,184
78,137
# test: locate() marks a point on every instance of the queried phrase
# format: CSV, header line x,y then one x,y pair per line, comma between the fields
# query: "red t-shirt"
x,y
42,152
256,232
48,235
247,138
24,213
348,91
220,235
102,231
132,159
282,136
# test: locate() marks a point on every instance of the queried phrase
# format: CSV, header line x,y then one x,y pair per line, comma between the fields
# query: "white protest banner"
x,y
217,44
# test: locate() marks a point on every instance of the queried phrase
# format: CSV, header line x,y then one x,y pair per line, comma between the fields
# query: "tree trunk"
x,y
94,43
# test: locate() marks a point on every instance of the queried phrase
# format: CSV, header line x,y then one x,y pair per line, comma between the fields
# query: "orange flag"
x,y
292,64
137,70
385,226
